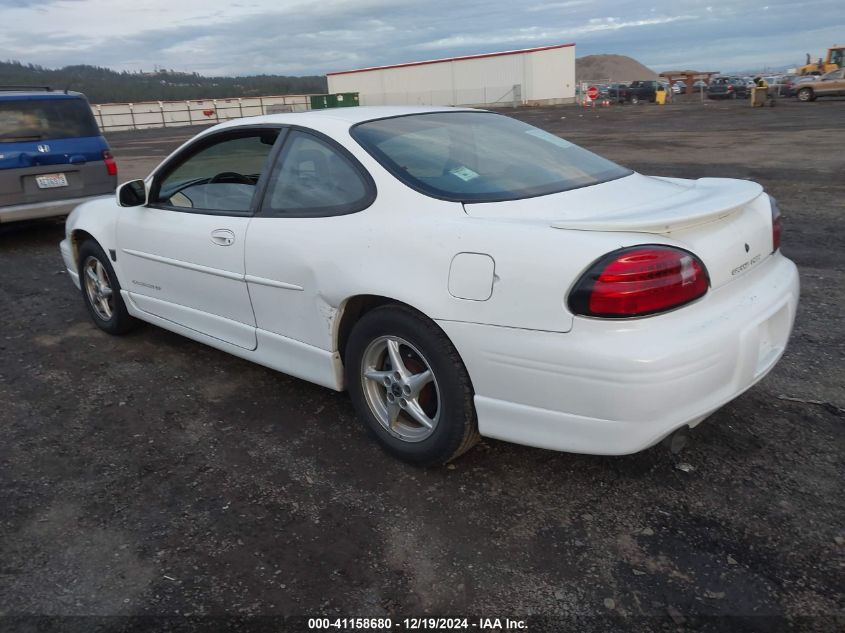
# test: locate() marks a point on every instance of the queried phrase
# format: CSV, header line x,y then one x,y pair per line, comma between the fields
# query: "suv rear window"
x,y
41,119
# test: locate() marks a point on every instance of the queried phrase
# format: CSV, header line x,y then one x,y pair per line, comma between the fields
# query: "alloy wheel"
x,y
400,388
98,288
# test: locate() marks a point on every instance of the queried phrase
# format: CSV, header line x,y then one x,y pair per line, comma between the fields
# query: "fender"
x,y
99,219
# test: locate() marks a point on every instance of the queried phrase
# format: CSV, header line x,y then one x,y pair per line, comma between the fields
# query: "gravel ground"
x,y
149,475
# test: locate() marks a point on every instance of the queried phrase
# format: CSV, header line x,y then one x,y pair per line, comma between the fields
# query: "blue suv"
x,y
52,154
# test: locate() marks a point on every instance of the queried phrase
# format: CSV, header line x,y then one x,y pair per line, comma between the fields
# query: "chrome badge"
x,y
43,148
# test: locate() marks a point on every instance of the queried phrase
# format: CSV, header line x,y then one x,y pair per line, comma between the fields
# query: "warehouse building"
x,y
532,76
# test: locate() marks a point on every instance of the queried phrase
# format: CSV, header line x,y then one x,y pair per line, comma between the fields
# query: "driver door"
x,y
182,255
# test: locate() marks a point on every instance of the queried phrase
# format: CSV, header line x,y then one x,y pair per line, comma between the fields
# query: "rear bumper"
x,y
614,388
43,209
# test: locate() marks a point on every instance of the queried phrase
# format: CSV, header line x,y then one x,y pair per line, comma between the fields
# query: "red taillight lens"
x,y
111,165
639,281
776,229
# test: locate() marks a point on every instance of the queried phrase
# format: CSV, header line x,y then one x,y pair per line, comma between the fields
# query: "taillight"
x,y
111,165
776,229
638,281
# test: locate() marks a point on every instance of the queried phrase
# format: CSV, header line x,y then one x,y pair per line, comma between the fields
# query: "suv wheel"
x,y
806,94
635,100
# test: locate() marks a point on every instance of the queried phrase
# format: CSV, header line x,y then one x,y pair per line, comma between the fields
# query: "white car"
x,y
459,272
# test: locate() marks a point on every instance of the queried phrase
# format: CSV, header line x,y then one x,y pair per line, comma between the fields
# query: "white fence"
x,y
112,117
484,96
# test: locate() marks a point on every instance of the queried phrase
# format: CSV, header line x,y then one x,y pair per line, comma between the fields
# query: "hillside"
x,y
611,68
102,85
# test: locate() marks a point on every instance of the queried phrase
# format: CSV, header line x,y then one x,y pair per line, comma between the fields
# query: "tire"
x,y
635,100
101,291
805,95
445,399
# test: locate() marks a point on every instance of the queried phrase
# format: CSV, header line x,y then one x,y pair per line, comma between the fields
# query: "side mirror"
x,y
132,194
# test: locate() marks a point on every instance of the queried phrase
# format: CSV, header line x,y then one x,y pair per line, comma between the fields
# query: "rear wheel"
x,y
101,291
635,100
410,387
806,94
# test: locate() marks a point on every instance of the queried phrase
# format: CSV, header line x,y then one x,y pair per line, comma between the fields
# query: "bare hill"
x,y
611,68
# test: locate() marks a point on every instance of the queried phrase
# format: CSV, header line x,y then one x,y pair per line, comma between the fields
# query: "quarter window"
x,y
220,177
314,178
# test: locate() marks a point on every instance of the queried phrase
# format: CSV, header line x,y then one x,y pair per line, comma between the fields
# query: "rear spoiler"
x,y
706,200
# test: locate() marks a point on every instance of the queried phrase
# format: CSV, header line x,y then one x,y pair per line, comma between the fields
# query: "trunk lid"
x,y
725,222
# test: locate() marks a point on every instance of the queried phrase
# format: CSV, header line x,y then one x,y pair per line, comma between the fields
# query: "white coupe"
x,y
459,272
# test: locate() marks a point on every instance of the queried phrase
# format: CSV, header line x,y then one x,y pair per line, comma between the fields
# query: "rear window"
x,y
480,156
41,119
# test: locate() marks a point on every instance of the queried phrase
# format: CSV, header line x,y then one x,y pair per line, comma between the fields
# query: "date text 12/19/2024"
x,y
490,625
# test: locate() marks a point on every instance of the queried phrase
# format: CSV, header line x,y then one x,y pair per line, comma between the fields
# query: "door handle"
x,y
222,237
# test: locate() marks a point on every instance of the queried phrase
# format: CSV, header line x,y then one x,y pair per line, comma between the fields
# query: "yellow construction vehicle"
x,y
835,59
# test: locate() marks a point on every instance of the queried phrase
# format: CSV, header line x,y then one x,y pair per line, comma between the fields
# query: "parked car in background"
x,y
643,91
699,85
831,84
679,87
382,251
52,154
619,93
778,84
794,84
727,88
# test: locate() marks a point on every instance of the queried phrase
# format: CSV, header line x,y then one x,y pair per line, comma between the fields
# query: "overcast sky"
x,y
298,37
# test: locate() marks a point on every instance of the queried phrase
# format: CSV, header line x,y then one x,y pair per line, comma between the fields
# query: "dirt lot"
x,y
149,475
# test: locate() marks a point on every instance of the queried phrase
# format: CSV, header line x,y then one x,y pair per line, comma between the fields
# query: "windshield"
x,y
480,156
39,119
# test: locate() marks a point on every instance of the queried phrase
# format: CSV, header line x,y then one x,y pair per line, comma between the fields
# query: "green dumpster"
x,y
339,100
346,99
319,102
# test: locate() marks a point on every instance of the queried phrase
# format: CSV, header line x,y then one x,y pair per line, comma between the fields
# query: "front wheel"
x,y
635,100
101,291
410,387
805,94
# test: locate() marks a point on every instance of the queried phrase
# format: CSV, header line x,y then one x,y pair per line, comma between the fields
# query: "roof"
x,y
350,116
452,59
23,94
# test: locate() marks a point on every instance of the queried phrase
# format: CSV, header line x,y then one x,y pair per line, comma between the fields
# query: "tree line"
x,y
103,85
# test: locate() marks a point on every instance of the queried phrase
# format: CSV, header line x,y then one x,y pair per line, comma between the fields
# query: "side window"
x,y
313,178
220,177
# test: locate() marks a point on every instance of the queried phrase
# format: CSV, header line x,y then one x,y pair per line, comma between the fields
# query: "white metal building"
x,y
538,76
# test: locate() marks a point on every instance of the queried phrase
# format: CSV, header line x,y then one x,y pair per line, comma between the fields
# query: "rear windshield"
x,y
40,119
480,156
